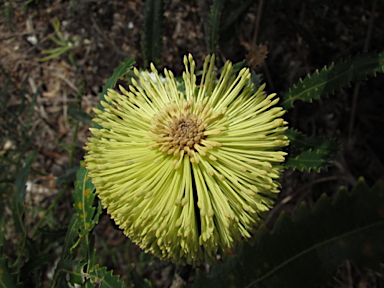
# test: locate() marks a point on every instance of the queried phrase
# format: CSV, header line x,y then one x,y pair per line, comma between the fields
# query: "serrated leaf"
x,y
84,197
65,268
89,251
97,276
7,280
334,77
105,278
309,160
152,37
77,276
214,24
306,250
71,236
298,141
66,262
119,72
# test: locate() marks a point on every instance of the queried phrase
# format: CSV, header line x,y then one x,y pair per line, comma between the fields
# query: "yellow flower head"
x,y
188,174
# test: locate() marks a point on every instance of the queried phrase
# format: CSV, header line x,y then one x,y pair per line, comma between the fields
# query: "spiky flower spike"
x,y
187,175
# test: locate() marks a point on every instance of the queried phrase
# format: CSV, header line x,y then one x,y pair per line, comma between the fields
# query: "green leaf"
x,y
57,42
22,177
66,266
56,25
97,275
214,24
70,175
84,197
87,218
152,37
306,250
53,51
119,72
301,142
309,152
256,80
309,160
18,197
105,278
71,236
335,77
77,276
90,251
80,115
66,262
7,280
237,67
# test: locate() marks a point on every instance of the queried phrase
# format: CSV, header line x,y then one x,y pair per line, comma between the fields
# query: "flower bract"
x,y
187,168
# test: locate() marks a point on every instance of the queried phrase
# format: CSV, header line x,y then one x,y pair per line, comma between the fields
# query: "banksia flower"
x,y
188,170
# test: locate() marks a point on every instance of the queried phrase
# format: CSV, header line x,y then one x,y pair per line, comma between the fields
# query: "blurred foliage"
x,y
151,43
305,250
334,77
63,44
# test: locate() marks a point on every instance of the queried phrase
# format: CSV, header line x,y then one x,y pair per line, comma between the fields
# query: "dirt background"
x,y
301,36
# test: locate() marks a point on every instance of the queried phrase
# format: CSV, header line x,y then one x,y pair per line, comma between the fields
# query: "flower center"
x,y
177,134
185,131
178,131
